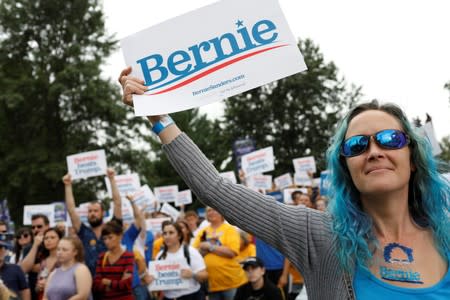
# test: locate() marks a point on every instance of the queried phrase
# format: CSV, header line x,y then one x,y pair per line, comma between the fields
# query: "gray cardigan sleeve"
x,y
300,233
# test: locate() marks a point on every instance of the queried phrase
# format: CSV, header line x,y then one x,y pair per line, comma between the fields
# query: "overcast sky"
x,y
398,51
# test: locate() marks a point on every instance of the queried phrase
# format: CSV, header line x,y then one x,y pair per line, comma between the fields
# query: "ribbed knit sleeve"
x,y
301,234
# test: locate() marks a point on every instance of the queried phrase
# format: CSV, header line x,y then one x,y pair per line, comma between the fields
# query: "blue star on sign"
x,y
239,23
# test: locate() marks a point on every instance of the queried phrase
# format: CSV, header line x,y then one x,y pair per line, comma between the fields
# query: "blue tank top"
x,y
367,287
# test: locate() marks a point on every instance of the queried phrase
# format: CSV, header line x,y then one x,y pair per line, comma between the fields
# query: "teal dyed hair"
x,y
429,194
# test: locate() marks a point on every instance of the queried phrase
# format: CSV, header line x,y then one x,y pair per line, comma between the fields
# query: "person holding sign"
x,y
91,236
175,249
386,235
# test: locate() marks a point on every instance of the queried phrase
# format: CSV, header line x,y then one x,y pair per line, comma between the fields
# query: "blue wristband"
x,y
164,122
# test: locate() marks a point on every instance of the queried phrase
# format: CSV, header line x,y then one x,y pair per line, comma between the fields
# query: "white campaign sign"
x,y
190,61
304,164
283,181
184,197
46,209
170,210
258,162
229,175
155,225
87,164
126,183
145,199
302,179
167,274
260,182
167,193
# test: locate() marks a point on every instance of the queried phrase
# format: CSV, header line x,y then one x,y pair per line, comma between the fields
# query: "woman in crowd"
x,y
24,240
114,271
49,261
388,232
72,279
176,249
187,234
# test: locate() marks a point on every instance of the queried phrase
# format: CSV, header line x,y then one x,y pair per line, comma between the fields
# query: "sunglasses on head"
x,y
390,139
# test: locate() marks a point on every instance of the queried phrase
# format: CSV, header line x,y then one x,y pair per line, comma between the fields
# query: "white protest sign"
x,y
167,193
229,175
187,63
287,198
170,210
126,184
283,181
167,274
184,198
145,199
302,179
258,162
259,182
46,209
87,164
155,225
427,131
304,164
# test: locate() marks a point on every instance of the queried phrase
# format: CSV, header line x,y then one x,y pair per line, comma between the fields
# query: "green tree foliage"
x,y
297,114
54,102
445,155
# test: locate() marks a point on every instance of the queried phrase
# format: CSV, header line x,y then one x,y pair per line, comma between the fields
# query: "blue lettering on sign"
x,y
181,63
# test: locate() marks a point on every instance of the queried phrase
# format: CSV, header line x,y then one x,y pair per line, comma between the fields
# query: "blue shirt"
x,y
368,287
272,258
128,239
13,277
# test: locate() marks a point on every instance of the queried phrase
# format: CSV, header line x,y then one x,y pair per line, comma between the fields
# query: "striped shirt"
x,y
120,288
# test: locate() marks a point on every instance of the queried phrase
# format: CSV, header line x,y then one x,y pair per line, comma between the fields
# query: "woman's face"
x,y
65,251
51,240
170,236
112,240
213,215
377,170
24,239
184,229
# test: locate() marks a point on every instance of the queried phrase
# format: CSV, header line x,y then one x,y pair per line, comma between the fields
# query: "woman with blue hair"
x,y
387,230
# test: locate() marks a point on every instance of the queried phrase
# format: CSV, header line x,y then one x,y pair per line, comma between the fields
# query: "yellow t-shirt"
x,y
223,273
157,246
250,250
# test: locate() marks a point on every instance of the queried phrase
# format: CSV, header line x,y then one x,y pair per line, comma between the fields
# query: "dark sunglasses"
x,y
25,236
37,226
390,139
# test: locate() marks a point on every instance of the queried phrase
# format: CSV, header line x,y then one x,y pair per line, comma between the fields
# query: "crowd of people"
x,y
107,259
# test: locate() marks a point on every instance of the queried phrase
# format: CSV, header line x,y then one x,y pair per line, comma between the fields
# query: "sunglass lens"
x,y
355,145
391,139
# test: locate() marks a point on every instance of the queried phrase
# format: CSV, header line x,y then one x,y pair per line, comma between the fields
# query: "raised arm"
x,y
70,202
138,217
117,200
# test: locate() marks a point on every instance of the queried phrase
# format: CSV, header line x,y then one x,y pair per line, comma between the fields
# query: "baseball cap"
x,y
252,261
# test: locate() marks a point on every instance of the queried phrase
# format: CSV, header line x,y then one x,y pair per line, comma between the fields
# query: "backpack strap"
x,y
186,254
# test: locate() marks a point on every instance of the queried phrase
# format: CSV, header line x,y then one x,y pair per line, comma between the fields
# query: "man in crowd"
x,y
257,287
39,224
12,275
91,236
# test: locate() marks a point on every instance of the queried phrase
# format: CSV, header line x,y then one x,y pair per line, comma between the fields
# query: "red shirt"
x,y
120,288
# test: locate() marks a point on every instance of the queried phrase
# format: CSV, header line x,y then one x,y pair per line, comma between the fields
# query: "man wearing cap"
x,y
257,288
12,275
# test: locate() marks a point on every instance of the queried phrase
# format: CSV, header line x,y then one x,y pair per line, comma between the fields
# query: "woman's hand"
x,y
40,285
130,85
187,273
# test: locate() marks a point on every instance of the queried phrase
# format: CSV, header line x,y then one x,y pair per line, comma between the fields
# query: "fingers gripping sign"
x,y
130,85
